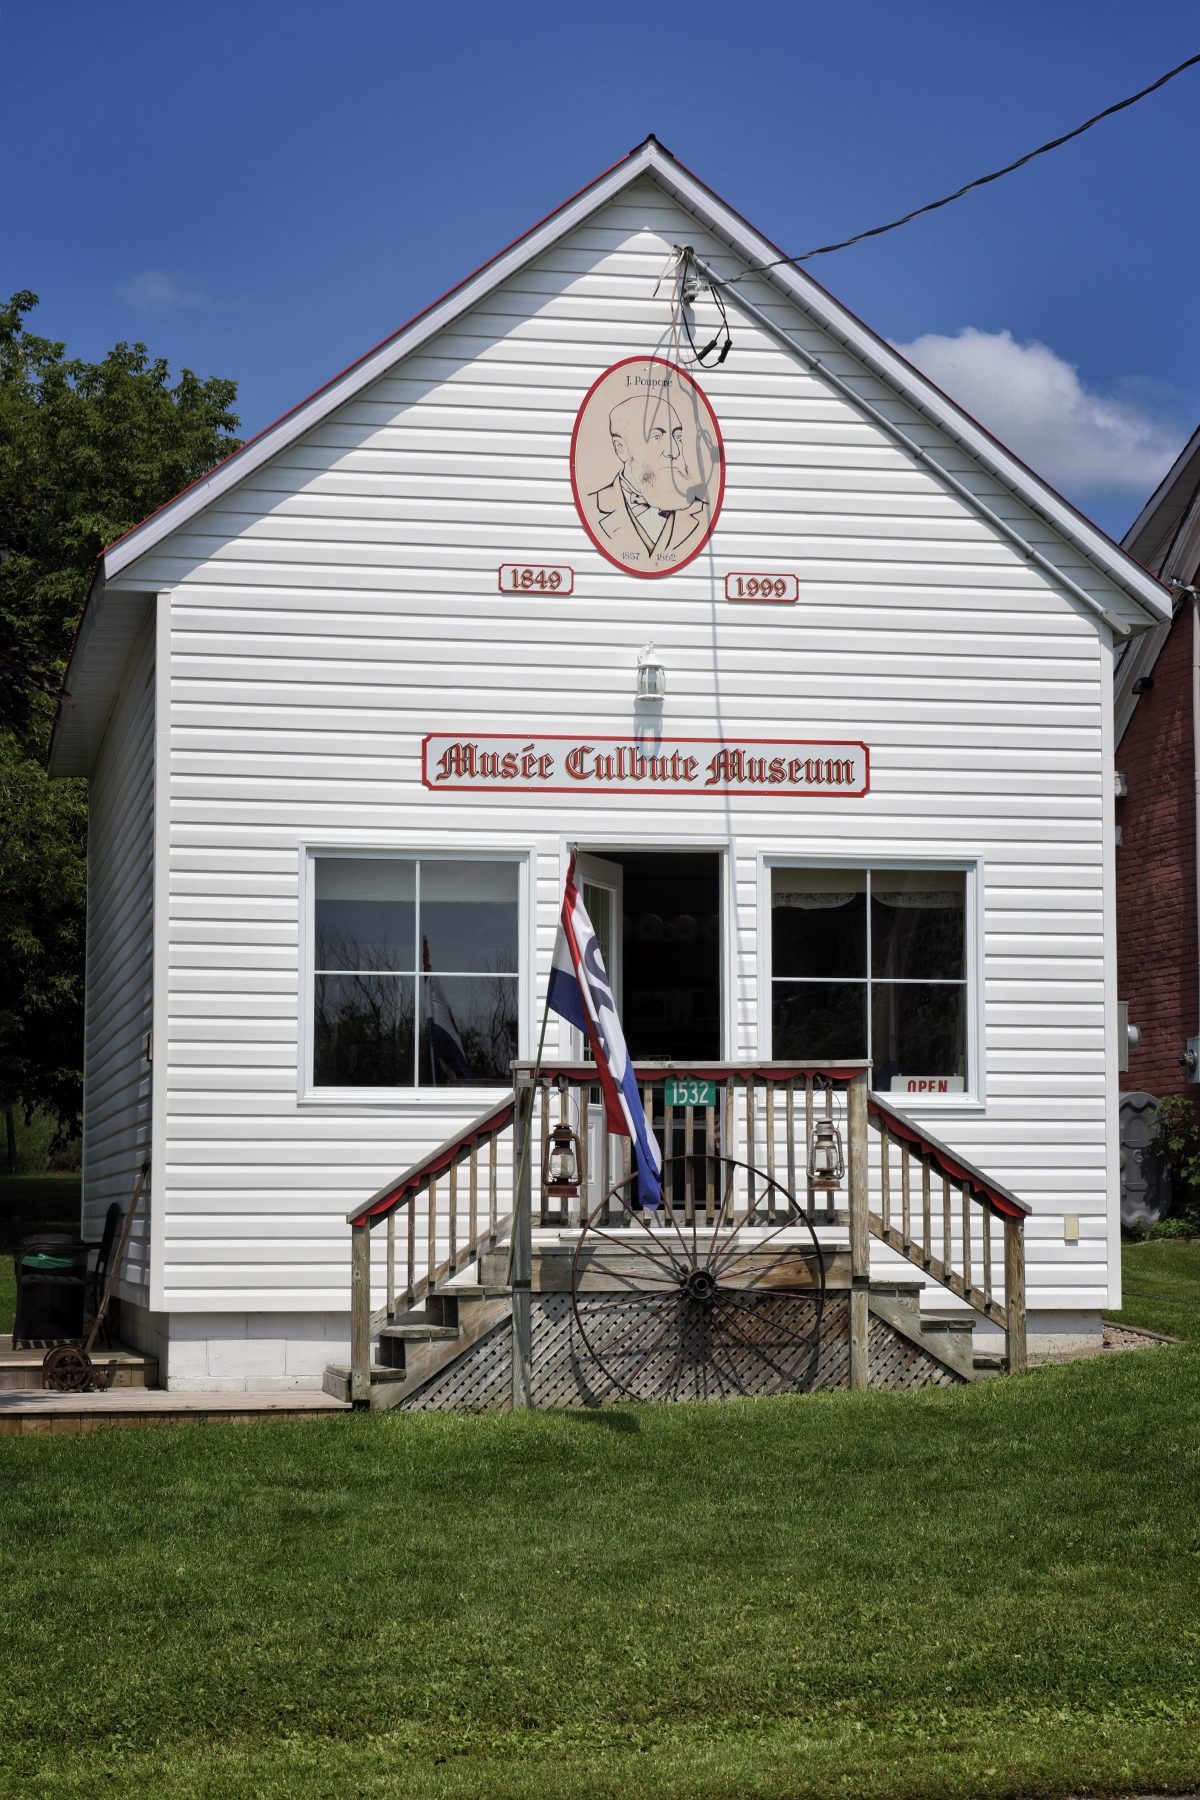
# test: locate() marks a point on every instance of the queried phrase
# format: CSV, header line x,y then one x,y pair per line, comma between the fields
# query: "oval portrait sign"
x,y
647,466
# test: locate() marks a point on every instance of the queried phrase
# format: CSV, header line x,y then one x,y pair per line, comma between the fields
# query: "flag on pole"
x,y
580,993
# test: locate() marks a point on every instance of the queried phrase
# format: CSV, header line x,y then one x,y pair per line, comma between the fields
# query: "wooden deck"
x,y
74,1415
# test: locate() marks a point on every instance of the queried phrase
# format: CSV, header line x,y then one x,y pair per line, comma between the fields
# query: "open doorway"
x,y
672,955
657,915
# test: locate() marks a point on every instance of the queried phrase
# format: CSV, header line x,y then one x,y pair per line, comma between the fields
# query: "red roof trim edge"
x,y
391,336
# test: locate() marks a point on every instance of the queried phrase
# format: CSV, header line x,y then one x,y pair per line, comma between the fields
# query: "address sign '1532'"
x,y
566,765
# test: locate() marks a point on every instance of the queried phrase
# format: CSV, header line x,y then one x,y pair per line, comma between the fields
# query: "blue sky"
x,y
263,190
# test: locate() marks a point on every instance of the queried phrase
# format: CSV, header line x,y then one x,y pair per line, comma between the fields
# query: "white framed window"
x,y
878,960
412,976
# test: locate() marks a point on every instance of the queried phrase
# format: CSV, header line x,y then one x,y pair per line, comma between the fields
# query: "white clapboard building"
x,y
814,673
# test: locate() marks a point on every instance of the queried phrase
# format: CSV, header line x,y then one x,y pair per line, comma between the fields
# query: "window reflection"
x,y
415,971
363,1030
468,1029
872,962
365,913
469,916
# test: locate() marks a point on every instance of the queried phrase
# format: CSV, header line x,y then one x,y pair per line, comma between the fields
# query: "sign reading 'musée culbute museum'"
x,y
600,765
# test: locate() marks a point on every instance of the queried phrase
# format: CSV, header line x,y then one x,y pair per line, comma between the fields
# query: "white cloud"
x,y
156,290
1081,440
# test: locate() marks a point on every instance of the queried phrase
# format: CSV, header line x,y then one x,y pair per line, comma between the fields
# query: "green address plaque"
x,y
690,1093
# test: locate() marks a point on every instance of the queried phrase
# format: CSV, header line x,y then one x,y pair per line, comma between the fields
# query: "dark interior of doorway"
x,y
671,947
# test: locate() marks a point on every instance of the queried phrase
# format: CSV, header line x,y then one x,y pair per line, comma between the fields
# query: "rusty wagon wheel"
x,y
717,1293
67,1369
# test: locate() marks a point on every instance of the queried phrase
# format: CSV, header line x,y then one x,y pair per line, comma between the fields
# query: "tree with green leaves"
x,y
86,450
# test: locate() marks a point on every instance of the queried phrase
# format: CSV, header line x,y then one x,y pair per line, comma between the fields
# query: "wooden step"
x,y
399,1345
493,1266
948,1341
474,1290
418,1332
336,1380
410,1355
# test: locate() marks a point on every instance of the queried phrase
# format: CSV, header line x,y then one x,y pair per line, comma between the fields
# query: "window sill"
x,y
932,1103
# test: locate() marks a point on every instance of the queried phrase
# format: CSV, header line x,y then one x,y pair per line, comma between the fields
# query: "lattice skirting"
x,y
779,1350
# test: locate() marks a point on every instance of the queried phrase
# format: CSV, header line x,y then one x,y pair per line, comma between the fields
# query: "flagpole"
x,y
524,1163
537,1069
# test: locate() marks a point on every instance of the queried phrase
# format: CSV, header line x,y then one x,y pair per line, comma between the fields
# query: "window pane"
x,y
363,1031
469,916
468,1030
917,924
819,922
918,1030
819,1021
364,913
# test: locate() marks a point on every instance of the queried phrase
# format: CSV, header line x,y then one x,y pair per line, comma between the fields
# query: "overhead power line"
x,y
981,181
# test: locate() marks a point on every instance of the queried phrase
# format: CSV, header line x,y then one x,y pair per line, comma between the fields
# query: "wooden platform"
x,y
36,1413
21,1370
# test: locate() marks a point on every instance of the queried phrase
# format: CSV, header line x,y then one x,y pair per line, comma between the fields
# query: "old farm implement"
x,y
69,1368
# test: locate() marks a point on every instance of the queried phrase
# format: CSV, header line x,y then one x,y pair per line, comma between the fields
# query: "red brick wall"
x,y
1156,872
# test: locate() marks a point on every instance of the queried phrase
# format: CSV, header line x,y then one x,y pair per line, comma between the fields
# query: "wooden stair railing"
x,y
462,1202
922,1184
764,1113
926,1190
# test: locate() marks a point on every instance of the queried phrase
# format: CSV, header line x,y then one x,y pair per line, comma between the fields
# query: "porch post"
x,y
360,1314
860,1243
1014,1295
522,1246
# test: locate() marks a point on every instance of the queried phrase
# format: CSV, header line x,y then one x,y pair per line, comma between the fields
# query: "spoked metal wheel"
x,y
718,1292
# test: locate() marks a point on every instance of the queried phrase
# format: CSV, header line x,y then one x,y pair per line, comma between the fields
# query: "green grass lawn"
x,y
30,1203
1161,1287
983,1591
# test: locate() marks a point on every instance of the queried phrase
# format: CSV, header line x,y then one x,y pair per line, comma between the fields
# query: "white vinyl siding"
x,y
343,601
116,1116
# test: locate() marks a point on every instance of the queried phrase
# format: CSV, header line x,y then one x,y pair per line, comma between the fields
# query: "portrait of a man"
x,y
646,466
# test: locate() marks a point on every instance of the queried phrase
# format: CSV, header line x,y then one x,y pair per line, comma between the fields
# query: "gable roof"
x,y
1166,537
877,356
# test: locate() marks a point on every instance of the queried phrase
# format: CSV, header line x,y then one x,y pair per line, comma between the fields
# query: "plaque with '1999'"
x,y
771,588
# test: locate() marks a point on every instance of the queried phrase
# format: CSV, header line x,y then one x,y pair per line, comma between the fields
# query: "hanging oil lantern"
x,y
560,1163
826,1163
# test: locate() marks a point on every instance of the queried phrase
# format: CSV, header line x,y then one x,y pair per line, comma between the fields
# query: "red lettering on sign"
x,y
499,760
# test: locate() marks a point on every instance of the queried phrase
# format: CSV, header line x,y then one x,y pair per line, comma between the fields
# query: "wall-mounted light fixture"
x,y
651,676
